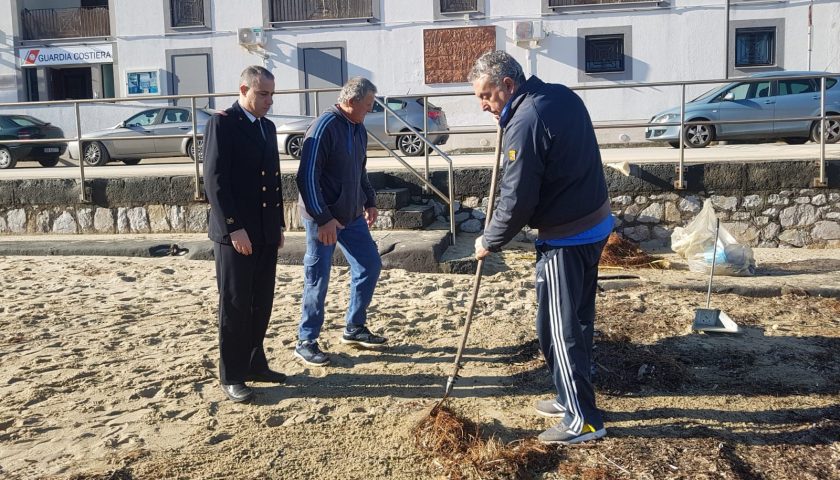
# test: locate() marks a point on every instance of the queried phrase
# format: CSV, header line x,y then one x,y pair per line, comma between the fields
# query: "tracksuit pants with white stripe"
x,y
566,285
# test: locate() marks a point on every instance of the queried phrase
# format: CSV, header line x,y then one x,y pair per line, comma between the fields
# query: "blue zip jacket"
x,y
332,179
553,179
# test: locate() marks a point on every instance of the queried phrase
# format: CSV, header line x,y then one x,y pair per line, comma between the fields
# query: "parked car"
x,y
290,134
752,99
24,127
97,149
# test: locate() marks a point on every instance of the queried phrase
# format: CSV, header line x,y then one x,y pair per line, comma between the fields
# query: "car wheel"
x,y
191,150
48,162
294,146
6,158
131,161
410,145
832,134
96,155
698,136
795,140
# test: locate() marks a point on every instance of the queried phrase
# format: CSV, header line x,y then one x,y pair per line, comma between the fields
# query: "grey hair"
x,y
497,65
356,89
251,75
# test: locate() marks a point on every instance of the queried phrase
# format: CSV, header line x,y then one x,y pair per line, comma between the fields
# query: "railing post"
x,y
196,156
83,197
451,201
821,181
426,134
679,184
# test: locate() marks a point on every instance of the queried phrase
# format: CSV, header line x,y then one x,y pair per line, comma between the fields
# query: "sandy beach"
x,y
110,371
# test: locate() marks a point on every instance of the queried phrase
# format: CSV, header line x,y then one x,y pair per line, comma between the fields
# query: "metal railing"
x,y
84,195
425,133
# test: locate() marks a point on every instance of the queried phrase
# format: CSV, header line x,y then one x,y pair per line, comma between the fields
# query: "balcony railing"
x,y
65,23
312,10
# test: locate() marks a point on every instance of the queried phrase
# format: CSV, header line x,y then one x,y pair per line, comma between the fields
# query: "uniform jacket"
x,y
553,179
242,178
332,179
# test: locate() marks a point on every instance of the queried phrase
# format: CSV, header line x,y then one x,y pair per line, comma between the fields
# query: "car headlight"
x,y
666,118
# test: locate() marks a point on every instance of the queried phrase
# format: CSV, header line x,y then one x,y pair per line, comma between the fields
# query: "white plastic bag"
x,y
695,243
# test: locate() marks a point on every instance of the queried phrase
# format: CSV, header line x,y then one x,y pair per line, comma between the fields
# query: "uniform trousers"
x,y
246,295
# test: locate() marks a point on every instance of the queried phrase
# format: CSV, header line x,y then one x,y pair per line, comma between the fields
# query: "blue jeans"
x,y
361,253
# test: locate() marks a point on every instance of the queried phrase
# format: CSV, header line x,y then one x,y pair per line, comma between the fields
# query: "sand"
x,y
109,370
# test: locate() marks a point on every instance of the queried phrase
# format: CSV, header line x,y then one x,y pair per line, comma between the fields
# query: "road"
x,y
380,161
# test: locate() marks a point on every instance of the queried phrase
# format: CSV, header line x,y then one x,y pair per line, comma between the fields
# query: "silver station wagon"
x,y
755,98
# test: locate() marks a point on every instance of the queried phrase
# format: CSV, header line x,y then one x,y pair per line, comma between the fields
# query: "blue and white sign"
x,y
40,56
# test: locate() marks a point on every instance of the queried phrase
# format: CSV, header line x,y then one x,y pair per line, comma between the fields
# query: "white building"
x,y
68,49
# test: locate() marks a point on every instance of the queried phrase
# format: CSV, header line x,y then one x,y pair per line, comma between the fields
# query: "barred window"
x,y
458,6
575,3
604,53
313,10
755,47
187,13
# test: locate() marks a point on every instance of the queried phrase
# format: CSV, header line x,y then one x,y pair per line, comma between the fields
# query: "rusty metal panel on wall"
x,y
449,53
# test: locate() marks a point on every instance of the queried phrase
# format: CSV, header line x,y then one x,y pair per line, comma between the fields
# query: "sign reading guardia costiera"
x,y
36,57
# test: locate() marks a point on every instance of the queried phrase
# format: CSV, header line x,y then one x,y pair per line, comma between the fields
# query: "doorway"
x,y
190,75
322,67
70,83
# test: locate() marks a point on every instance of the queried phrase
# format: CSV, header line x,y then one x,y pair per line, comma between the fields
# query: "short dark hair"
x,y
497,65
252,73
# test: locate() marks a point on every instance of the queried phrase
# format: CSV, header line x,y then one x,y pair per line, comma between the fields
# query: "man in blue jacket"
x,y
338,205
553,181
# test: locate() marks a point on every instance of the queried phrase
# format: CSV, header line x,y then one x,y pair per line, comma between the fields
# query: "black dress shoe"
x,y
268,376
238,392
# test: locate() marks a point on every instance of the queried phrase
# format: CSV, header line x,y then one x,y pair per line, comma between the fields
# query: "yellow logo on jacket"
x,y
512,155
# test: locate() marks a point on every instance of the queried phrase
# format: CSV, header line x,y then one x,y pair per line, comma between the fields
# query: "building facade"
x,y
71,49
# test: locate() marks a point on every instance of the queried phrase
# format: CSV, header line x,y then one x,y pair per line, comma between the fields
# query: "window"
x,y
186,14
458,6
755,47
799,85
142,119
604,53
577,3
750,90
176,115
317,10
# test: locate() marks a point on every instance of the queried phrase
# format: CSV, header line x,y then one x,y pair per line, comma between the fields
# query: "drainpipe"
x,y
810,30
726,41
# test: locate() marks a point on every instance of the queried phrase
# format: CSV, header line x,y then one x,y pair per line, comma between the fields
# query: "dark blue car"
x,y
24,127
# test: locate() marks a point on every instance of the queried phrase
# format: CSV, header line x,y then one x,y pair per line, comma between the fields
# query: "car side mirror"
x,y
121,125
729,97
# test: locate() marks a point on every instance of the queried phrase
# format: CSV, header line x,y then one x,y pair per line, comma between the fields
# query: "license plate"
x,y
51,150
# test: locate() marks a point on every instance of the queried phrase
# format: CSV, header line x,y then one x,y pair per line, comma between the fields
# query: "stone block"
x,y
471,226
652,214
793,238
826,231
672,213
752,201
691,204
16,220
471,202
413,217
85,218
65,223
3,227
819,200
138,220
122,221
639,233
392,198
103,220
197,218
176,218
385,220
622,200
461,216
157,219
771,232
725,203
798,215
631,212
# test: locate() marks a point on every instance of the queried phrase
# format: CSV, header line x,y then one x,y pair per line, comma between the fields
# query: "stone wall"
x,y
763,204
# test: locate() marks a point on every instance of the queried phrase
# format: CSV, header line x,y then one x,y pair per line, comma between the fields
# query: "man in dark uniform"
x,y
242,183
554,182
